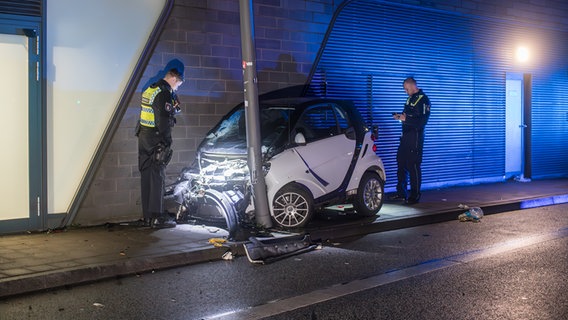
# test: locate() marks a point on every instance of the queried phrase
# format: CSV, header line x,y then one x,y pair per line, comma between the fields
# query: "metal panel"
x,y
21,7
549,126
457,60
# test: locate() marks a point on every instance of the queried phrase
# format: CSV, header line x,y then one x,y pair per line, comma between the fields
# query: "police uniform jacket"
x,y
417,110
156,120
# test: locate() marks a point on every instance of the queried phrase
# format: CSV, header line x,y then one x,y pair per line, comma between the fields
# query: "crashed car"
x,y
316,153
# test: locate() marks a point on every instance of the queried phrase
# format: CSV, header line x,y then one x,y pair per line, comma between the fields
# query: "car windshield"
x,y
229,137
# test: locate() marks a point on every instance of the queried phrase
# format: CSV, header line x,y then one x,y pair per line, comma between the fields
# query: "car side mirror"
x,y
350,133
300,139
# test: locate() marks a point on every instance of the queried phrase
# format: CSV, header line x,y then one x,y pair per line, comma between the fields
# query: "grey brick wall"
x,y
205,35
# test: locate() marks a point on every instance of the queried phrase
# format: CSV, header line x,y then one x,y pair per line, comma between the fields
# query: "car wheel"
x,y
219,204
369,198
292,206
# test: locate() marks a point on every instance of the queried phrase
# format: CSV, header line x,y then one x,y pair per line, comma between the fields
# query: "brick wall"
x,y
205,35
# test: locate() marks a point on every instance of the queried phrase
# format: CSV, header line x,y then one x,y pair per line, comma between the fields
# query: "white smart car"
x,y
316,153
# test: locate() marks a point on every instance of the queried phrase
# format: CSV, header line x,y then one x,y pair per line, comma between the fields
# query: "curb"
x,y
91,273
358,228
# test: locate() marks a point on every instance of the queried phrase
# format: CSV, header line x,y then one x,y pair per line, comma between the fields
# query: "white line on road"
x,y
280,306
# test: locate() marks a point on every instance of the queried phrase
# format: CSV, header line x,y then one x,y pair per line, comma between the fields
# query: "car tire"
x,y
369,198
292,206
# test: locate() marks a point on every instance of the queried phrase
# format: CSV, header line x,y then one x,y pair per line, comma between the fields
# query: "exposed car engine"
x,y
219,193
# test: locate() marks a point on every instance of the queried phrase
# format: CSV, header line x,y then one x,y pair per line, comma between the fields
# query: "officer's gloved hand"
x,y
163,153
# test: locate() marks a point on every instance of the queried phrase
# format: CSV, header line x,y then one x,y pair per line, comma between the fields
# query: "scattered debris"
x,y
472,214
56,230
98,305
228,256
263,251
217,242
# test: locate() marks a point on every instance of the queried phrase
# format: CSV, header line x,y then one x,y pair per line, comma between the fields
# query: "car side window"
x,y
318,122
342,119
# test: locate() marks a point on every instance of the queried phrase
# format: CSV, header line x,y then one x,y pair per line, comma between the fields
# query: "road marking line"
x,y
340,290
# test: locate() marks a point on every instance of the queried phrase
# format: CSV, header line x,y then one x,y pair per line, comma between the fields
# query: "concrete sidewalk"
x,y
38,261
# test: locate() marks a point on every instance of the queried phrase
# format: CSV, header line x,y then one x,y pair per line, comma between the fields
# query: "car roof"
x,y
301,103
295,101
297,105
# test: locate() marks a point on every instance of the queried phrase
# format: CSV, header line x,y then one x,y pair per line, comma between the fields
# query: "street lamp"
x,y
522,54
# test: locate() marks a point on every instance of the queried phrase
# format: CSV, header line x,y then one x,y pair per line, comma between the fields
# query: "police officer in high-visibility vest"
x,y
409,156
154,130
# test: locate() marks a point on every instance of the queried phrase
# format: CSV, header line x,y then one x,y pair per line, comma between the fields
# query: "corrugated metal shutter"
x,y
457,60
550,107
21,7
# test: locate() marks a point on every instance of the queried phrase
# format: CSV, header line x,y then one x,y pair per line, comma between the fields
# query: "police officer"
x,y
154,130
409,156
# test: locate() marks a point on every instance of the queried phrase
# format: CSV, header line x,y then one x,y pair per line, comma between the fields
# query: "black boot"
x,y
396,197
414,198
162,222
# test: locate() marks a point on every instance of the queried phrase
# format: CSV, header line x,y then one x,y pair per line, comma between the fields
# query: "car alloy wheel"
x,y
292,206
369,199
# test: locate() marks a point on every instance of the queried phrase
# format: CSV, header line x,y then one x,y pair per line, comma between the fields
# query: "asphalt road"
x,y
509,266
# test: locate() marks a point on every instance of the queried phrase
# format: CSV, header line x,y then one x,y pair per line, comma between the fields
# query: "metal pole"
x,y
252,118
527,127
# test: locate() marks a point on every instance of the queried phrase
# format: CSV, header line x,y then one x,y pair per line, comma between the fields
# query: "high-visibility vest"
x,y
147,118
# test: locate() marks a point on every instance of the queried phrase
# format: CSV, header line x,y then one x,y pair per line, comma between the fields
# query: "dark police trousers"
x,y
152,175
409,160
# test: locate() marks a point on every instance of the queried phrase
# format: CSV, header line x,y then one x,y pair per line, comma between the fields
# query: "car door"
x,y
328,152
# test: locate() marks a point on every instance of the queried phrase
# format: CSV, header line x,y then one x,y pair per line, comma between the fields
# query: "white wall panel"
x,y
14,187
92,48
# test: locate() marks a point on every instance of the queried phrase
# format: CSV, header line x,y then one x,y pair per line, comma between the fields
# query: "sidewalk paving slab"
x,y
33,262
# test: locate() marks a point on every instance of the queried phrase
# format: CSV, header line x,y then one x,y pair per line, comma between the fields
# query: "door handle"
x,y
523,126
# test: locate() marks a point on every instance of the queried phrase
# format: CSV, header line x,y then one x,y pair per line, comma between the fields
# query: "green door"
x,y
21,117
